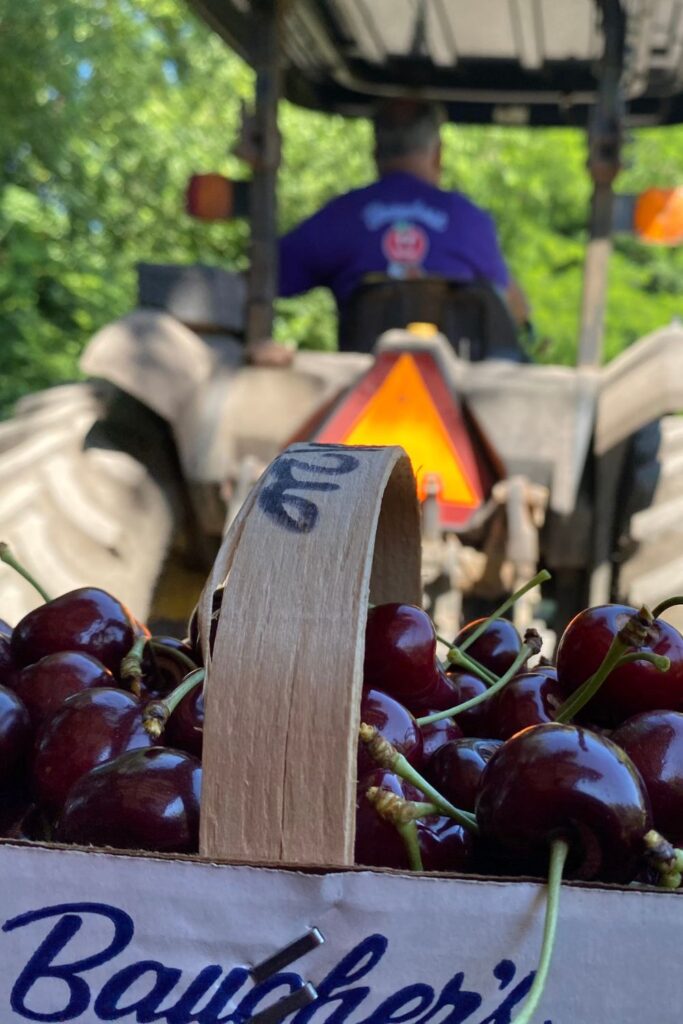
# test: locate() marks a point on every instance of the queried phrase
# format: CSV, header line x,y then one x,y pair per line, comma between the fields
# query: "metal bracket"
x,y
277,962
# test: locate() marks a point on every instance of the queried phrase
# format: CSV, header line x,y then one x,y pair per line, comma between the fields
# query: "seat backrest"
x,y
473,317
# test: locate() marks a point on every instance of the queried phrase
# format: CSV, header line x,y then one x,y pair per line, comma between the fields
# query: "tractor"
x,y
520,466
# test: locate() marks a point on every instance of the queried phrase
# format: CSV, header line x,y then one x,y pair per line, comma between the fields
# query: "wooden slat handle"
x,y
326,528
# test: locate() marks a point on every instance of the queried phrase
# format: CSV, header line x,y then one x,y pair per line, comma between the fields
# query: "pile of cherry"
x,y
85,695
588,750
471,763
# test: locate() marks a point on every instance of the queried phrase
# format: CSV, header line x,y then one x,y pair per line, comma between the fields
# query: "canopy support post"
x,y
263,255
603,164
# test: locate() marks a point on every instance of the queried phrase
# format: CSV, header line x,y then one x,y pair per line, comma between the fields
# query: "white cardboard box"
x,y
89,937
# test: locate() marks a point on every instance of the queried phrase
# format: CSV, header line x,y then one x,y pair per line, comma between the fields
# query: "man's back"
x,y
401,226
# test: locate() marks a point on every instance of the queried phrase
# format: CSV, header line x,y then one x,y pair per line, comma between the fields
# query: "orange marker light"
x,y
658,216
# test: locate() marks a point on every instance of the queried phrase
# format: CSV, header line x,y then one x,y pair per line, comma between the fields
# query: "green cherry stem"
x,y
558,855
131,665
408,833
158,647
458,658
671,602
157,712
386,756
613,659
8,558
540,577
527,649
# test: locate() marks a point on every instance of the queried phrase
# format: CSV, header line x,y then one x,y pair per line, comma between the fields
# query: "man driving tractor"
x,y
403,226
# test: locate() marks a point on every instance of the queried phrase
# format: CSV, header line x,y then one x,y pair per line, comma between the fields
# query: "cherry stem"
x,y
408,833
158,647
671,602
457,657
387,756
157,712
540,577
131,665
558,855
8,558
664,858
613,659
525,652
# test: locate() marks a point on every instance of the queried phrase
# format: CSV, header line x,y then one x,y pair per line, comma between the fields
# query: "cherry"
x,y
165,663
8,668
15,733
394,723
88,620
91,728
497,646
557,781
476,721
654,742
435,734
629,688
456,769
141,800
445,845
400,653
45,685
378,842
528,699
185,726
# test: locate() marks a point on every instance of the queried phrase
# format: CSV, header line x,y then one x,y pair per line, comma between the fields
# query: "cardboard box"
x,y
97,936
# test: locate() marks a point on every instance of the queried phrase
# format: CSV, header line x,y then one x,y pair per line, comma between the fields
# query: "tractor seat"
x,y
473,317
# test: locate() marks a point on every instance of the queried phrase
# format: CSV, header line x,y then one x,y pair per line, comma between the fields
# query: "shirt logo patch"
x,y
405,246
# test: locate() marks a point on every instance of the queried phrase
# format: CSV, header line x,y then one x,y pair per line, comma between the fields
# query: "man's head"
x,y
407,138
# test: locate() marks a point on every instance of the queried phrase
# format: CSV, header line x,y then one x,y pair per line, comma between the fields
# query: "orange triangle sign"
x,y
404,400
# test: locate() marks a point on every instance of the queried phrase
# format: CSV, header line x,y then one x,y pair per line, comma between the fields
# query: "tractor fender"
x,y
151,356
641,385
256,411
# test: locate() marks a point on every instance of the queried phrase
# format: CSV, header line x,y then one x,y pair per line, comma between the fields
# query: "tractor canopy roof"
x,y
531,62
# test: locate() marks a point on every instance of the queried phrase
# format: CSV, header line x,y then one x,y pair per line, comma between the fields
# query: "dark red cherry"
x,y
654,742
528,699
162,669
185,727
456,769
437,733
5,629
378,843
476,721
394,723
400,654
142,800
8,668
496,648
87,620
631,688
445,845
15,733
45,685
561,781
91,728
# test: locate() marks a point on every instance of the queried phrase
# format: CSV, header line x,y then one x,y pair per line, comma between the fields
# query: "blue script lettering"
x,y
41,964
334,988
146,991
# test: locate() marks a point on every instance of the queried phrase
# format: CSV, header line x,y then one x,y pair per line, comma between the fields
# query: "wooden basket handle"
x,y
326,528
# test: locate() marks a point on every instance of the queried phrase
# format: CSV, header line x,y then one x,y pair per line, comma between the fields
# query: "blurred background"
x,y
108,106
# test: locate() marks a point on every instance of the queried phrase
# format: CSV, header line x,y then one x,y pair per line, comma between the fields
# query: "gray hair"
x,y
406,126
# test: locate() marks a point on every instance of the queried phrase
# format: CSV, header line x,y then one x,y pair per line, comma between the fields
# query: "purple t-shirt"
x,y
400,226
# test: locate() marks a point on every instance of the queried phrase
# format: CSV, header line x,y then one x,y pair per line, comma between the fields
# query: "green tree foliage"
x,y
106,108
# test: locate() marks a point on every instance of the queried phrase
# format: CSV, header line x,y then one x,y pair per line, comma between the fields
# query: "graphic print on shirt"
x,y
405,246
